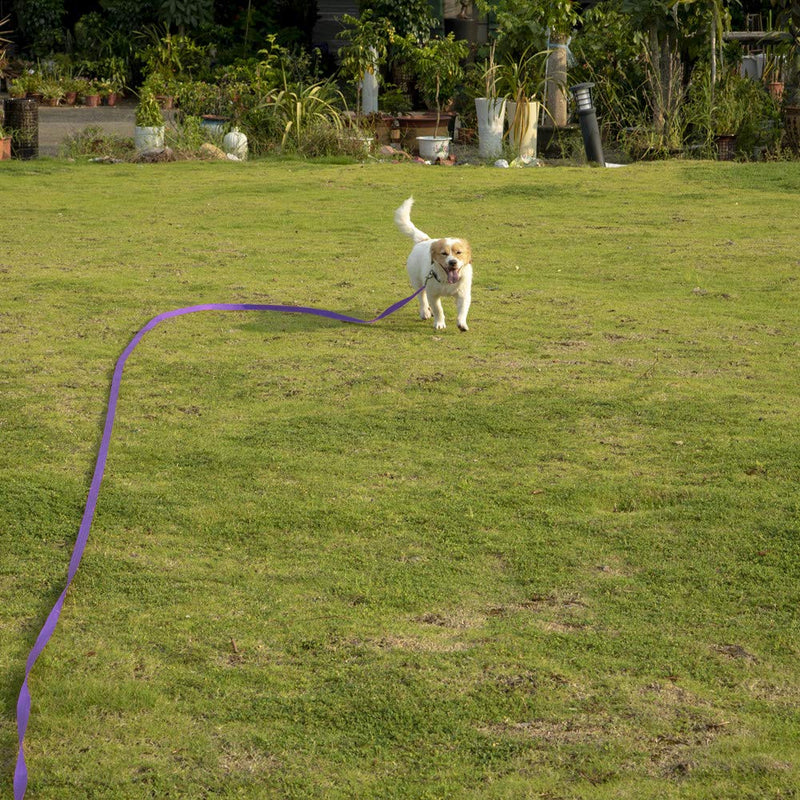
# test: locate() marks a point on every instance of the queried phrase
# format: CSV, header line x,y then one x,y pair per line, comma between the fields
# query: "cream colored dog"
x,y
442,266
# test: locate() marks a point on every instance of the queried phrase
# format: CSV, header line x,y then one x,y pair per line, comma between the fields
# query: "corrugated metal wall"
x,y
326,31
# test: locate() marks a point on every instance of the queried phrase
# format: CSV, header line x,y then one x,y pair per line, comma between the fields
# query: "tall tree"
x,y
658,24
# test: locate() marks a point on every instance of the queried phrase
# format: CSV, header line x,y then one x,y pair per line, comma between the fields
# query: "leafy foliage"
x,y
409,18
186,15
438,68
522,24
368,47
734,106
40,23
608,54
148,111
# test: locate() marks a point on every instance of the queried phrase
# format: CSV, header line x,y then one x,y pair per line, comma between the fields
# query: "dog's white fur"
x,y
447,261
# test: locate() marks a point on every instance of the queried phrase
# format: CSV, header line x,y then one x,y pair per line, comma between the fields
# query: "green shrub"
x,y
148,112
93,142
187,136
735,106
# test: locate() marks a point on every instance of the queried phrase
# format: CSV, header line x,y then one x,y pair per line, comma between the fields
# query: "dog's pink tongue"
x,y
452,276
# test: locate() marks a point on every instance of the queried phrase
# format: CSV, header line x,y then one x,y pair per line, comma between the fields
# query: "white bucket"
x,y
432,148
148,138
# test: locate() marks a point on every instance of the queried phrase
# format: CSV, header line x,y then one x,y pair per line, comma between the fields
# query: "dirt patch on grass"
x,y
422,645
688,725
552,732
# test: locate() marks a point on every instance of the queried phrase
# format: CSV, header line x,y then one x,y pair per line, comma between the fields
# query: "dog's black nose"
x,y
453,262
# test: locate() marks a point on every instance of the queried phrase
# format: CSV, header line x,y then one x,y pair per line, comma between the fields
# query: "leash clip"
x,y
432,274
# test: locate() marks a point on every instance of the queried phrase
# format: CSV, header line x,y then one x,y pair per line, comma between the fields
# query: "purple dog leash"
x,y
24,700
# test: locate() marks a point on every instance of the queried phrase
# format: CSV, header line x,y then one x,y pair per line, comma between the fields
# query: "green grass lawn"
x,y
553,557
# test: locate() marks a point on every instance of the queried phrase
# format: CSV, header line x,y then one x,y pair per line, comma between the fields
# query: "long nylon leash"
x,y
24,699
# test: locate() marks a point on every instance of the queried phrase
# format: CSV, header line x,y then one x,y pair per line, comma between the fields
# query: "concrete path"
x,y
56,124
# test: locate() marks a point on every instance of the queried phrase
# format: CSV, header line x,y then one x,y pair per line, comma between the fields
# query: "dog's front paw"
x,y
439,326
426,314
462,326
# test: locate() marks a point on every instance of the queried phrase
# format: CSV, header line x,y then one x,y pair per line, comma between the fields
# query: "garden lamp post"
x,y
582,93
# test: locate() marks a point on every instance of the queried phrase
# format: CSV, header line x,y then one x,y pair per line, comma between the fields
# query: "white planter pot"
x,y
522,132
491,115
433,147
148,138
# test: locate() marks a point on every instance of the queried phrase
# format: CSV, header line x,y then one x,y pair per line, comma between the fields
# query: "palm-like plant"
x,y
298,109
522,81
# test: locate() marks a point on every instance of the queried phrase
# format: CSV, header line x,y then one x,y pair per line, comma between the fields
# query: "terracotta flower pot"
x,y
91,100
775,88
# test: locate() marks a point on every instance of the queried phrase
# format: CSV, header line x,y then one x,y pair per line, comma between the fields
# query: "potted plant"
x,y
114,79
34,83
490,109
727,115
437,65
51,91
522,81
90,92
149,131
18,87
545,24
109,91
772,75
70,86
361,59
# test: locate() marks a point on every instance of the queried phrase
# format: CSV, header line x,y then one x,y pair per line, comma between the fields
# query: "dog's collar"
x,y
432,274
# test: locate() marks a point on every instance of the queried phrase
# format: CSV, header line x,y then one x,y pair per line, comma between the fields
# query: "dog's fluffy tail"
x,y
402,218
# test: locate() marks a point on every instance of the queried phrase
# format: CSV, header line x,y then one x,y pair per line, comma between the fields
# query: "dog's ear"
x,y
436,249
466,251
